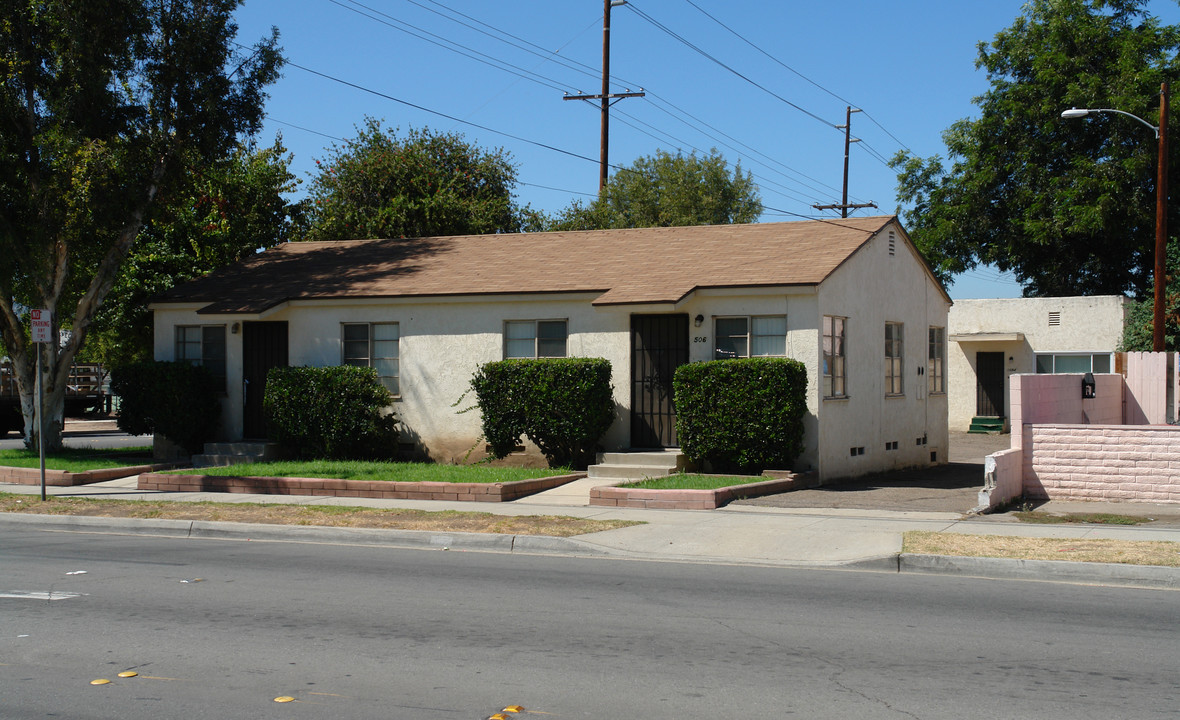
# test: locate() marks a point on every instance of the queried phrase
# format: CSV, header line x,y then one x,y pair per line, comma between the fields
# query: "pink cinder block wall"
x,y
1058,399
1089,449
1128,463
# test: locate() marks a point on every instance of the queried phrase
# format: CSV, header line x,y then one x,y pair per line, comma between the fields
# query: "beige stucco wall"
x,y
444,341
1087,324
872,288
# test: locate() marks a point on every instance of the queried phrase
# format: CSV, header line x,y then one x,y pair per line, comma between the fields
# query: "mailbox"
x,y
1088,386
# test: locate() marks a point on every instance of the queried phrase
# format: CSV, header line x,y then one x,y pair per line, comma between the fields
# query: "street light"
x,y
1161,204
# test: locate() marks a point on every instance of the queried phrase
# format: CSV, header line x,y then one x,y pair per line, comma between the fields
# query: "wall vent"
x,y
1054,318
892,245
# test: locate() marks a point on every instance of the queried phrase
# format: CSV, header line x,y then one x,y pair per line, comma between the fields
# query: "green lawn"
x,y
384,471
78,460
693,481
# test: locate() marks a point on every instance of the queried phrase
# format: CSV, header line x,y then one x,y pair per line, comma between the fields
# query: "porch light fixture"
x,y
698,320
1161,203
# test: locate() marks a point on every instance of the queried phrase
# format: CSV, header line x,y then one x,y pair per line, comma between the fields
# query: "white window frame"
x,y
894,359
750,336
936,361
376,352
512,342
835,373
204,354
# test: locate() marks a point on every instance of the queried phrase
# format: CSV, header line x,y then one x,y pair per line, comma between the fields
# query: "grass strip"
x,y
1044,518
316,515
381,471
695,481
78,459
1127,552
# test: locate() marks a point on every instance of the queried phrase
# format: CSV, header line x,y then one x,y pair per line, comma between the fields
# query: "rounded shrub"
x,y
563,405
178,400
336,413
742,415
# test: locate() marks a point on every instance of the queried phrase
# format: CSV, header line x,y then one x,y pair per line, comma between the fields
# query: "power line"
x,y
801,76
695,48
539,51
447,45
440,114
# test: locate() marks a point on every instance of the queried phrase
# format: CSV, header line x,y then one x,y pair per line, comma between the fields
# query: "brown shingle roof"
x,y
643,265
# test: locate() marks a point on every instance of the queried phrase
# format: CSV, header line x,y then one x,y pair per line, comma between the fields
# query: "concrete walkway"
x,y
740,534
853,525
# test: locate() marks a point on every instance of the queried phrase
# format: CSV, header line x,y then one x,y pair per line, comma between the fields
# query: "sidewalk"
x,y
738,534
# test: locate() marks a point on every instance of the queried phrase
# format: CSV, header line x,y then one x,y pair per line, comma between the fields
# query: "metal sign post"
x,y
42,321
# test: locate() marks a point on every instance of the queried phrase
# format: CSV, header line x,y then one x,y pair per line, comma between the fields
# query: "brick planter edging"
x,y
611,496
62,478
325,487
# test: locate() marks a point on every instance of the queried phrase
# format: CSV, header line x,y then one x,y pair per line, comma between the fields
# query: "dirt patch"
x,y
321,515
1126,552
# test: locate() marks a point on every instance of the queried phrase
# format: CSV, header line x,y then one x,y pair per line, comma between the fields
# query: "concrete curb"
x,y
1149,576
211,530
1143,576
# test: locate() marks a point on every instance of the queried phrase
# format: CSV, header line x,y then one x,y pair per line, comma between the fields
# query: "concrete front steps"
x,y
618,467
612,469
235,453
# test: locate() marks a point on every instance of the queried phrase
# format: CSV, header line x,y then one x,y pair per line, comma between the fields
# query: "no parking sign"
x,y
42,326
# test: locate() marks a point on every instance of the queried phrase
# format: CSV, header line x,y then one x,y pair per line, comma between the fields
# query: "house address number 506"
x,y
700,339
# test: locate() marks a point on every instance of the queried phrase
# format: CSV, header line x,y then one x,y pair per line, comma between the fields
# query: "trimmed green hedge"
x,y
330,413
177,400
563,405
741,415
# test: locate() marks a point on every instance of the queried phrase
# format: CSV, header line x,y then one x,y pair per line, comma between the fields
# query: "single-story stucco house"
x,y
990,340
852,299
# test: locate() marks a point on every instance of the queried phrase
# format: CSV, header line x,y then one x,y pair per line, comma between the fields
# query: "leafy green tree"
x,y
1067,205
668,190
99,102
217,215
1138,330
379,185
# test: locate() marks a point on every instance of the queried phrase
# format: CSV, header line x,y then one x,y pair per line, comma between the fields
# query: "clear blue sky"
x,y
763,82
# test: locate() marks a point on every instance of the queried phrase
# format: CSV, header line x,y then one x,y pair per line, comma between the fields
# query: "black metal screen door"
x,y
989,373
659,345
264,345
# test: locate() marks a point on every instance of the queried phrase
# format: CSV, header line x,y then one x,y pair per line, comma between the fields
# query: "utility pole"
x,y
1161,226
848,140
605,96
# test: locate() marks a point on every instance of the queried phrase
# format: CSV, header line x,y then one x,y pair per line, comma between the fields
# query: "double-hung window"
x,y
535,338
374,345
203,345
754,336
893,356
835,374
936,361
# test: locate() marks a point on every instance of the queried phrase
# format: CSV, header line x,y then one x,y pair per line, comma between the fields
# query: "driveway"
x,y
953,487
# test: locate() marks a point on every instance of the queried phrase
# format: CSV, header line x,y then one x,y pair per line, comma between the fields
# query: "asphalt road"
x,y
86,433
222,628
